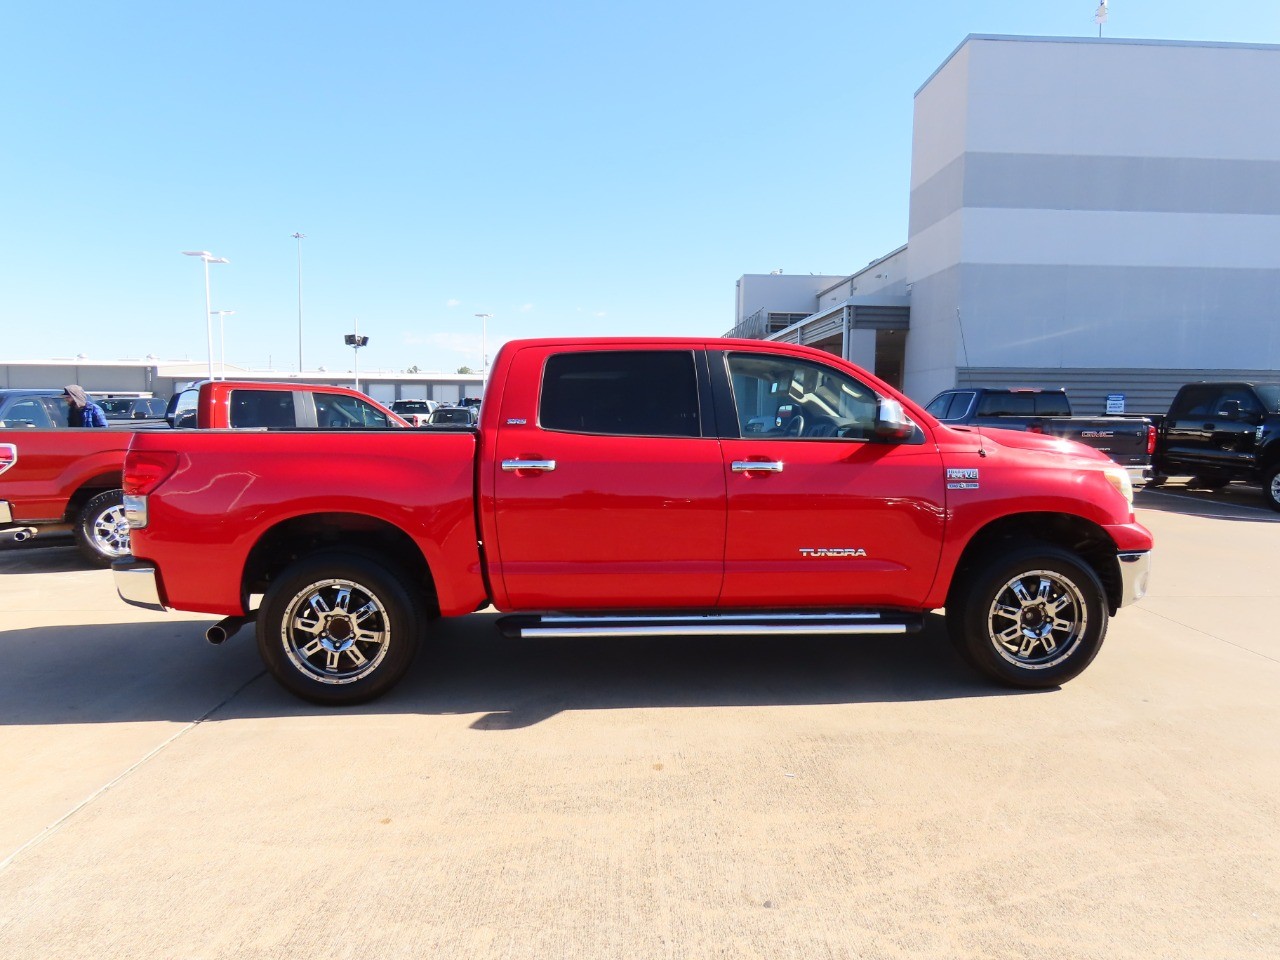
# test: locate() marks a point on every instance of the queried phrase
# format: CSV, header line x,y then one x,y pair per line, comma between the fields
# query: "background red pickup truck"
x,y
68,479
613,488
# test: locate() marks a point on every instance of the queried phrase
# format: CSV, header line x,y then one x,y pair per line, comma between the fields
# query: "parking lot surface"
x,y
777,797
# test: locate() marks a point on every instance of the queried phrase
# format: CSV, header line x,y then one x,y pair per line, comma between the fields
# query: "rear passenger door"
x,y
608,485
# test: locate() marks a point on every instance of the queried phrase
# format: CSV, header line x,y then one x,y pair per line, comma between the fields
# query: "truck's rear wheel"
x,y
1033,618
102,532
338,628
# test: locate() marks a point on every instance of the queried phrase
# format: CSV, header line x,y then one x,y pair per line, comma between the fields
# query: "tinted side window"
x,y
262,408
1196,402
960,403
939,405
640,393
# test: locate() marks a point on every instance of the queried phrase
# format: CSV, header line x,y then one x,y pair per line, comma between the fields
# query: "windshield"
x,y
411,406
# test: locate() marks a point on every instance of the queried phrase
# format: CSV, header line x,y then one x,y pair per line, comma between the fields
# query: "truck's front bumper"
x,y
1135,570
137,583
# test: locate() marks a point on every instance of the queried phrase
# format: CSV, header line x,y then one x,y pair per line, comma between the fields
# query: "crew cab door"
x,y
822,512
608,491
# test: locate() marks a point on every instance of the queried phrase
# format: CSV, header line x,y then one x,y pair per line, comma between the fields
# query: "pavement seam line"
x,y
52,828
1211,636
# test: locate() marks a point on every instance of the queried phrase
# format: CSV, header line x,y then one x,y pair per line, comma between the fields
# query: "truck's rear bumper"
x,y
6,513
1135,570
1138,475
137,583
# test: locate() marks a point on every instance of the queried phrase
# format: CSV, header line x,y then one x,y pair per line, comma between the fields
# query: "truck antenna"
x,y
982,450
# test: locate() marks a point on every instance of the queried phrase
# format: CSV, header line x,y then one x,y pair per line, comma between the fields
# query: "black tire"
x,y
1001,621
1271,486
102,533
1207,483
309,636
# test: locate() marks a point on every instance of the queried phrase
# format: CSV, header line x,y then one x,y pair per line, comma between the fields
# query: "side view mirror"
x,y
892,423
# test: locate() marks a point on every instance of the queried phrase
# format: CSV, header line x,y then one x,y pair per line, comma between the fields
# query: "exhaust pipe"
x,y
23,534
226,628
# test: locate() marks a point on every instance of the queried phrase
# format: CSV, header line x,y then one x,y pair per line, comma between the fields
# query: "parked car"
x,y
610,491
453,417
1219,432
416,412
1129,441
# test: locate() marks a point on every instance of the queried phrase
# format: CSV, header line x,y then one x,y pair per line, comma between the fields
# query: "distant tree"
x,y
413,369
465,369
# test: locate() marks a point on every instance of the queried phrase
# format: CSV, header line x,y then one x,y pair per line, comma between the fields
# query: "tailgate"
x,y
1123,439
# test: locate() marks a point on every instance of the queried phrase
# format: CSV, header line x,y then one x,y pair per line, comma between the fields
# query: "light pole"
x,y
208,258
222,333
355,342
299,237
484,356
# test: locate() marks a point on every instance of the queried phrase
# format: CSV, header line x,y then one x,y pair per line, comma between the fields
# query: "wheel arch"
x,y
298,537
1082,537
88,489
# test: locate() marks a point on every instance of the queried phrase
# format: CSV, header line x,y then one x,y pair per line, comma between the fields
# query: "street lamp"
x,y
208,258
299,237
222,332
484,356
355,342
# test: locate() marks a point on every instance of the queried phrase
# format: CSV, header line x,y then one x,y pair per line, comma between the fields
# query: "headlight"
x,y
1119,478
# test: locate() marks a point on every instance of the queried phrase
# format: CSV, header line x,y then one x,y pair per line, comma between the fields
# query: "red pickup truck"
x,y
612,488
68,479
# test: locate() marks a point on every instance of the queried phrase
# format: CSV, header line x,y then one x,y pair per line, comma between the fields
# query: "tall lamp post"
x,y
208,258
299,237
355,342
484,356
222,333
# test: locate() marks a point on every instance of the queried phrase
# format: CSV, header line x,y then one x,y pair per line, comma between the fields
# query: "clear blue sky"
x,y
569,167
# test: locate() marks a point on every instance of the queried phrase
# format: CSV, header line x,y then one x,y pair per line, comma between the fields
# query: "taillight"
x,y
147,469
1151,439
8,456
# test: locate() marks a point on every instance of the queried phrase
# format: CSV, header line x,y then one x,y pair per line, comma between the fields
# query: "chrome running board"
x,y
738,623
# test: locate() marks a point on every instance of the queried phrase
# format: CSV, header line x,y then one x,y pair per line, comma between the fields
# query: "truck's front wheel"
x,y
338,629
1032,618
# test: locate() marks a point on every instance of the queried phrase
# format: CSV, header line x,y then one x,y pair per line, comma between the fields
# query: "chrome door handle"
x,y
513,465
757,466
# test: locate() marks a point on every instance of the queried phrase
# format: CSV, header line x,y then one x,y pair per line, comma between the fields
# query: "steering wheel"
x,y
795,426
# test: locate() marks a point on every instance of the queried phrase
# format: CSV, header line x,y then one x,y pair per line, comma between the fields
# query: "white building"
x,y
1097,214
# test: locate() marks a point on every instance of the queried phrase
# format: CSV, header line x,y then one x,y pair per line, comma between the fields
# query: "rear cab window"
x,y
262,408
637,393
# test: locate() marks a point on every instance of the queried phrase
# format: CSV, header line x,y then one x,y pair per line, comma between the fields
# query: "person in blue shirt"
x,y
82,412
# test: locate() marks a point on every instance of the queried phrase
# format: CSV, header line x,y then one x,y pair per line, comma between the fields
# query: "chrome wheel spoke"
x,y
311,649
1020,591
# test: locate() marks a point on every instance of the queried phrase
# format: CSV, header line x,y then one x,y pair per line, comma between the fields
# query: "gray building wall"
x,y
1095,205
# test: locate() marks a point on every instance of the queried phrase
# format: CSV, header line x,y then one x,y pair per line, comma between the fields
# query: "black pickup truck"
x,y
1219,432
1129,441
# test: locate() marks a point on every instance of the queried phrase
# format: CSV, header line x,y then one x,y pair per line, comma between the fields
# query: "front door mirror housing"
x,y
892,423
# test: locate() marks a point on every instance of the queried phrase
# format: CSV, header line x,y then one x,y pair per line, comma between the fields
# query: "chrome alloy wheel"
x,y
1273,489
1037,619
335,631
110,532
